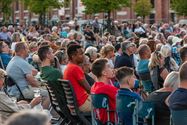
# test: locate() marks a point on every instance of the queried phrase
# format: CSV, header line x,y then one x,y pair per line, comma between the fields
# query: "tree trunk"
x,y
143,19
109,22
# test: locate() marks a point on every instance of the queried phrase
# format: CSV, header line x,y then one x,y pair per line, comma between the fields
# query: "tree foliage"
x,y
96,6
180,6
143,8
41,7
5,8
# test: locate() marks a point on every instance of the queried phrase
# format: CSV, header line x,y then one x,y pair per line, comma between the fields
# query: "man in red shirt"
x,y
104,72
75,75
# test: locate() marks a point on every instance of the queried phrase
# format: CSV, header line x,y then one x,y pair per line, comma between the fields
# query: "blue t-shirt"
x,y
17,69
143,71
178,99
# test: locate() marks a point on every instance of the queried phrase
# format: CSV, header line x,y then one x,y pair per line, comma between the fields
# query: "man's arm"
x,y
32,81
85,84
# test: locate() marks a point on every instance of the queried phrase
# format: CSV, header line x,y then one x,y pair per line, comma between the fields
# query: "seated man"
x,y
48,72
51,75
75,75
178,99
126,79
7,106
104,73
22,73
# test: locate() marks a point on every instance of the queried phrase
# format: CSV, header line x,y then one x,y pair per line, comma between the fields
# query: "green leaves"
x,y
180,6
143,8
40,6
96,6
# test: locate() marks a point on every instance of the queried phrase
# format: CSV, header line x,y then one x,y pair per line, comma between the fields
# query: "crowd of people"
x,y
133,57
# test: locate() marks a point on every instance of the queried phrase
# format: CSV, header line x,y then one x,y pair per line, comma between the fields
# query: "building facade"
x,y
161,12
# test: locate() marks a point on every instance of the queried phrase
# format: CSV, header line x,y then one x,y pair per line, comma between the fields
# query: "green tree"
x,y
107,6
143,8
180,6
5,8
41,7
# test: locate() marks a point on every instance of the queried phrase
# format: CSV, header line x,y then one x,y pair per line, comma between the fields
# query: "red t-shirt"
x,y
110,91
74,73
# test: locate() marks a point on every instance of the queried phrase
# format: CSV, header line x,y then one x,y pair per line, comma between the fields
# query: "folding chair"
x,y
56,107
100,101
72,103
10,82
1,64
178,117
125,108
146,111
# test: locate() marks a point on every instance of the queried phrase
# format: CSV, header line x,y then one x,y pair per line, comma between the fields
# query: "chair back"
x,y
58,100
72,102
125,106
70,97
11,82
179,117
1,64
54,101
146,111
100,101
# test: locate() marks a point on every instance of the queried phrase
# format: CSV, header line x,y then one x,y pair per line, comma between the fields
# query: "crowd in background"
x,y
132,58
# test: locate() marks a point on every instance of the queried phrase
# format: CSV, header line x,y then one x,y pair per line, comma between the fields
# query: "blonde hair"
x,y
155,59
172,80
106,49
165,50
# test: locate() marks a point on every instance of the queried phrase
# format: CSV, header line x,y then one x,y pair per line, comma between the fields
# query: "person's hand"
x,y
34,72
35,101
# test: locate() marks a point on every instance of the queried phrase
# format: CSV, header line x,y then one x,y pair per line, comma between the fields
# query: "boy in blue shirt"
x,y
126,98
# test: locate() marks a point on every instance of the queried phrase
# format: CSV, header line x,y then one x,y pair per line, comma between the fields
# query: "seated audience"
x,y
126,79
183,54
91,52
28,118
142,68
23,74
4,54
102,69
107,52
157,70
63,59
7,104
170,63
178,99
75,75
126,58
86,66
158,97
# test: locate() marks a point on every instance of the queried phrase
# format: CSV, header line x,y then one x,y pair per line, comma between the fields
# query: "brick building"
x,y
161,12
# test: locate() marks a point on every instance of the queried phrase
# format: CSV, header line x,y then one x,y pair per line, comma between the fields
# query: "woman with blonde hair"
x,y
170,63
158,97
157,70
107,52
